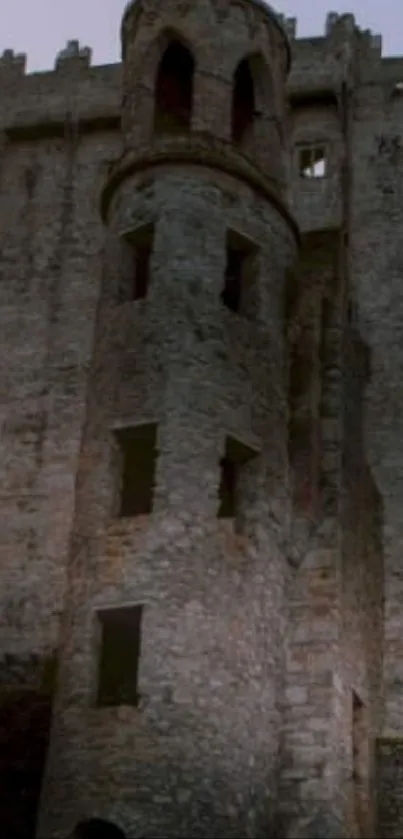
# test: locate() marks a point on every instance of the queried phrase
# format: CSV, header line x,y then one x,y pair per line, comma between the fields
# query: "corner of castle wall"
x,y
375,43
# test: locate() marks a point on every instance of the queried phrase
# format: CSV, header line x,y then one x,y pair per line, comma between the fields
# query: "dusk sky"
x,y
42,27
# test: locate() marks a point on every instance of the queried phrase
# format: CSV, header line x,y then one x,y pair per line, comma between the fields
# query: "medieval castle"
x,y
201,395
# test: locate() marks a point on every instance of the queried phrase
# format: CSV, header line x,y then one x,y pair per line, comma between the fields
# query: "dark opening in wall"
x,y
228,486
352,311
243,102
312,161
174,90
239,292
360,767
119,656
236,456
137,266
138,447
301,425
25,718
97,829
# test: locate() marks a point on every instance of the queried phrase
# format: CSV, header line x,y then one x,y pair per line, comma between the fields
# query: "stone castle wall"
x,y
78,361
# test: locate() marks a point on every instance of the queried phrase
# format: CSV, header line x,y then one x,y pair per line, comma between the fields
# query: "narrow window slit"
x,y
239,290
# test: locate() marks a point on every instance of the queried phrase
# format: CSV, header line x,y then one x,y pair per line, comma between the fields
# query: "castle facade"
x,y
201,396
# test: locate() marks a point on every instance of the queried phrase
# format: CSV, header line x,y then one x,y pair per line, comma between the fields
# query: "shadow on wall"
x,y
25,717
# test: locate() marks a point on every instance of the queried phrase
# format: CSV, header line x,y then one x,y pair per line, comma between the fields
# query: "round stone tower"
x,y
167,718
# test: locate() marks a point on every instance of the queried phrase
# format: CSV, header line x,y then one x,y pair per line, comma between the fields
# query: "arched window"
x,y
174,90
243,101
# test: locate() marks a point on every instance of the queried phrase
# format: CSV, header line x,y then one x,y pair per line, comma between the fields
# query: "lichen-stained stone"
x,y
200,278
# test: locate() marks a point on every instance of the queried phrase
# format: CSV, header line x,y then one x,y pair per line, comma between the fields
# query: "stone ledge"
x,y
198,149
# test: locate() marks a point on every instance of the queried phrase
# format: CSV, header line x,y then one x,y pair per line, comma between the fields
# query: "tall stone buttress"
x,y
166,718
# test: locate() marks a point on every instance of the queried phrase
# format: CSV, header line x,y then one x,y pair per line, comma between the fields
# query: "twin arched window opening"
x,y
174,94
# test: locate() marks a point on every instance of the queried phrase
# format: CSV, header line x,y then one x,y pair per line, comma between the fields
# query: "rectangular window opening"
x,y
236,455
239,272
312,161
141,241
138,446
119,656
228,486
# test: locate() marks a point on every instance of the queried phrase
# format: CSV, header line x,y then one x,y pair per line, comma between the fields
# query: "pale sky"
x,y
42,27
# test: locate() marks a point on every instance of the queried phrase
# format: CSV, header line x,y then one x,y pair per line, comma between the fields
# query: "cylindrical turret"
x,y
213,75
167,717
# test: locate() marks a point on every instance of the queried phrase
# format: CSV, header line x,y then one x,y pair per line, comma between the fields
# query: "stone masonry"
x,y
201,410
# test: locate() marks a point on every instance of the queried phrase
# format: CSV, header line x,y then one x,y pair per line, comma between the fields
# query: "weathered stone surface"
x,y
318,826
271,651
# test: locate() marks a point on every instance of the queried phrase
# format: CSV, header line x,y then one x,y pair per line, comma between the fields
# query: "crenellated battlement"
x,y
290,26
319,64
73,56
333,23
12,64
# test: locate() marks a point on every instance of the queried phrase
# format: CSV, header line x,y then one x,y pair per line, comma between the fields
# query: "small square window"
x,y
139,455
119,656
312,162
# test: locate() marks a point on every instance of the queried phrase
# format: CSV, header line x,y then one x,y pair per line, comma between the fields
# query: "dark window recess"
x,y
325,327
25,719
141,243
312,162
360,767
141,271
352,311
236,456
97,829
231,294
139,455
174,90
243,102
228,486
119,656
239,272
